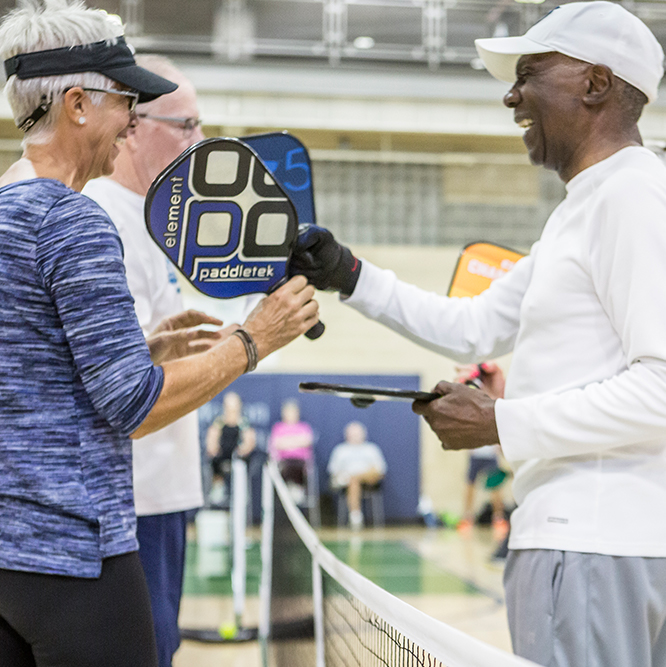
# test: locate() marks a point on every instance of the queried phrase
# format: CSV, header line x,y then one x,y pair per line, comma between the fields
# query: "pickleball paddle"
x,y
223,220
362,397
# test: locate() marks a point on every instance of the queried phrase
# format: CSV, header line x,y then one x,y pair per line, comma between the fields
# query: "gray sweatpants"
x,y
568,609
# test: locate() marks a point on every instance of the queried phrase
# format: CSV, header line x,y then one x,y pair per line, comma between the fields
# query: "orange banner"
x,y
478,265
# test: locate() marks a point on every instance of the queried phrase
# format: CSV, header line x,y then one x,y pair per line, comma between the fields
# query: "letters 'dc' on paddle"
x,y
221,218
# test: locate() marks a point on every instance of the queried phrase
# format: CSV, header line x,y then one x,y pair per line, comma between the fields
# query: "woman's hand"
x,y
192,381
186,320
180,335
283,316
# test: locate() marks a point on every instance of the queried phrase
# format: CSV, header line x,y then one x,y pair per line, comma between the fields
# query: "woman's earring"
x,y
82,121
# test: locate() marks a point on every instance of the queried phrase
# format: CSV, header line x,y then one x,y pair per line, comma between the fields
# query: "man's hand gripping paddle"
x,y
223,220
326,264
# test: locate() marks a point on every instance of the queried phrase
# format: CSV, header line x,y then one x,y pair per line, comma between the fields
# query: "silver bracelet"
x,y
250,349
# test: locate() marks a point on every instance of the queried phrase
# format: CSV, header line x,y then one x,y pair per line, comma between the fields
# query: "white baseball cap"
x,y
601,33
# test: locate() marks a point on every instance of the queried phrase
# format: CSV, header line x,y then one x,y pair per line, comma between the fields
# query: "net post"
x,y
239,524
267,526
318,599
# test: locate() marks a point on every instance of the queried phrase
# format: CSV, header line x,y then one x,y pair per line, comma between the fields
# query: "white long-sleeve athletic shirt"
x,y
583,422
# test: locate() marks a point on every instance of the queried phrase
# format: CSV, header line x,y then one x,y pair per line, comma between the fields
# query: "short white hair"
x,y
40,25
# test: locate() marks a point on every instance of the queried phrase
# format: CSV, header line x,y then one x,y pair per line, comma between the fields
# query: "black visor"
x,y
113,60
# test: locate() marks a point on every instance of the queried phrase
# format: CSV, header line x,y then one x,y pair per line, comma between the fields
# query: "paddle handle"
x,y
313,332
316,331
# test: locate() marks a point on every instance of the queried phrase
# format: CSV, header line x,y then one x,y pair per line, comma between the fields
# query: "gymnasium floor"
x,y
438,571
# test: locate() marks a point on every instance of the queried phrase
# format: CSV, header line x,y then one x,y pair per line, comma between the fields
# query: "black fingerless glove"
x,y
323,261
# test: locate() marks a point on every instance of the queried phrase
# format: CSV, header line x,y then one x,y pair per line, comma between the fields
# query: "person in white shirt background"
x,y
583,421
353,464
166,464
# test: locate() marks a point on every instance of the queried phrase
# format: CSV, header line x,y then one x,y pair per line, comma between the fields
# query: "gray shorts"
x,y
568,609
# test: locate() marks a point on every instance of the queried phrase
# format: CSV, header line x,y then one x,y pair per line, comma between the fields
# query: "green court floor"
x,y
390,564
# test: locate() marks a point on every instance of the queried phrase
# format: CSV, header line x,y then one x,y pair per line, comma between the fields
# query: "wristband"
x,y
250,349
347,273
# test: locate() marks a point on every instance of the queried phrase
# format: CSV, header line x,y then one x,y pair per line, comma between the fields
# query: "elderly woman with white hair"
x,y
77,380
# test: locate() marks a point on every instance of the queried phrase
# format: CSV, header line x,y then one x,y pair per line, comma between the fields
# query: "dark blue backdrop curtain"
x,y
391,425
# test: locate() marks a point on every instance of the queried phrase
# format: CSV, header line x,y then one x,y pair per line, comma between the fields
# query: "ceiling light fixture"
x,y
364,43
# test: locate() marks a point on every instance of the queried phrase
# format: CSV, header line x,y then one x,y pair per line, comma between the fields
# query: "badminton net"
x,y
316,611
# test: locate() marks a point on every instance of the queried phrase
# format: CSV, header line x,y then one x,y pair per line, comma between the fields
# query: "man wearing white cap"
x,y
583,423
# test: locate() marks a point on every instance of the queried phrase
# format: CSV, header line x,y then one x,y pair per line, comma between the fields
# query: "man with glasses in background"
x,y
167,464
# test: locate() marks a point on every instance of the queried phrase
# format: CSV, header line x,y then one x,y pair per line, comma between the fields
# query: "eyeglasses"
x,y
133,96
46,103
187,125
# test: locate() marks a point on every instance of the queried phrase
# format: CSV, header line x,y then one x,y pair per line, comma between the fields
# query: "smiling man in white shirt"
x,y
583,421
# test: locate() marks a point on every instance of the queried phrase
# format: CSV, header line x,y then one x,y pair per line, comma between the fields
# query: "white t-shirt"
x,y
167,464
347,460
583,422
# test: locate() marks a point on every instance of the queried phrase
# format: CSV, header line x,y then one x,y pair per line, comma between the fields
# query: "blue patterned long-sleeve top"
x,y
75,380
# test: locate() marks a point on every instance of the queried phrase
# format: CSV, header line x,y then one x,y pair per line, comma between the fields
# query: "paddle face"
x,y
478,265
222,219
288,161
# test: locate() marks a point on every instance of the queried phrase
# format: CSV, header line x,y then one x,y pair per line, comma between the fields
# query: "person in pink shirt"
x,y
291,443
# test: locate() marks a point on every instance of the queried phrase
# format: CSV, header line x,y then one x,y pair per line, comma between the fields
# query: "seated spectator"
x,y
222,439
228,436
291,443
354,464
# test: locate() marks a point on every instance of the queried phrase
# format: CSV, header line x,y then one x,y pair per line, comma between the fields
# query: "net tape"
x,y
383,623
